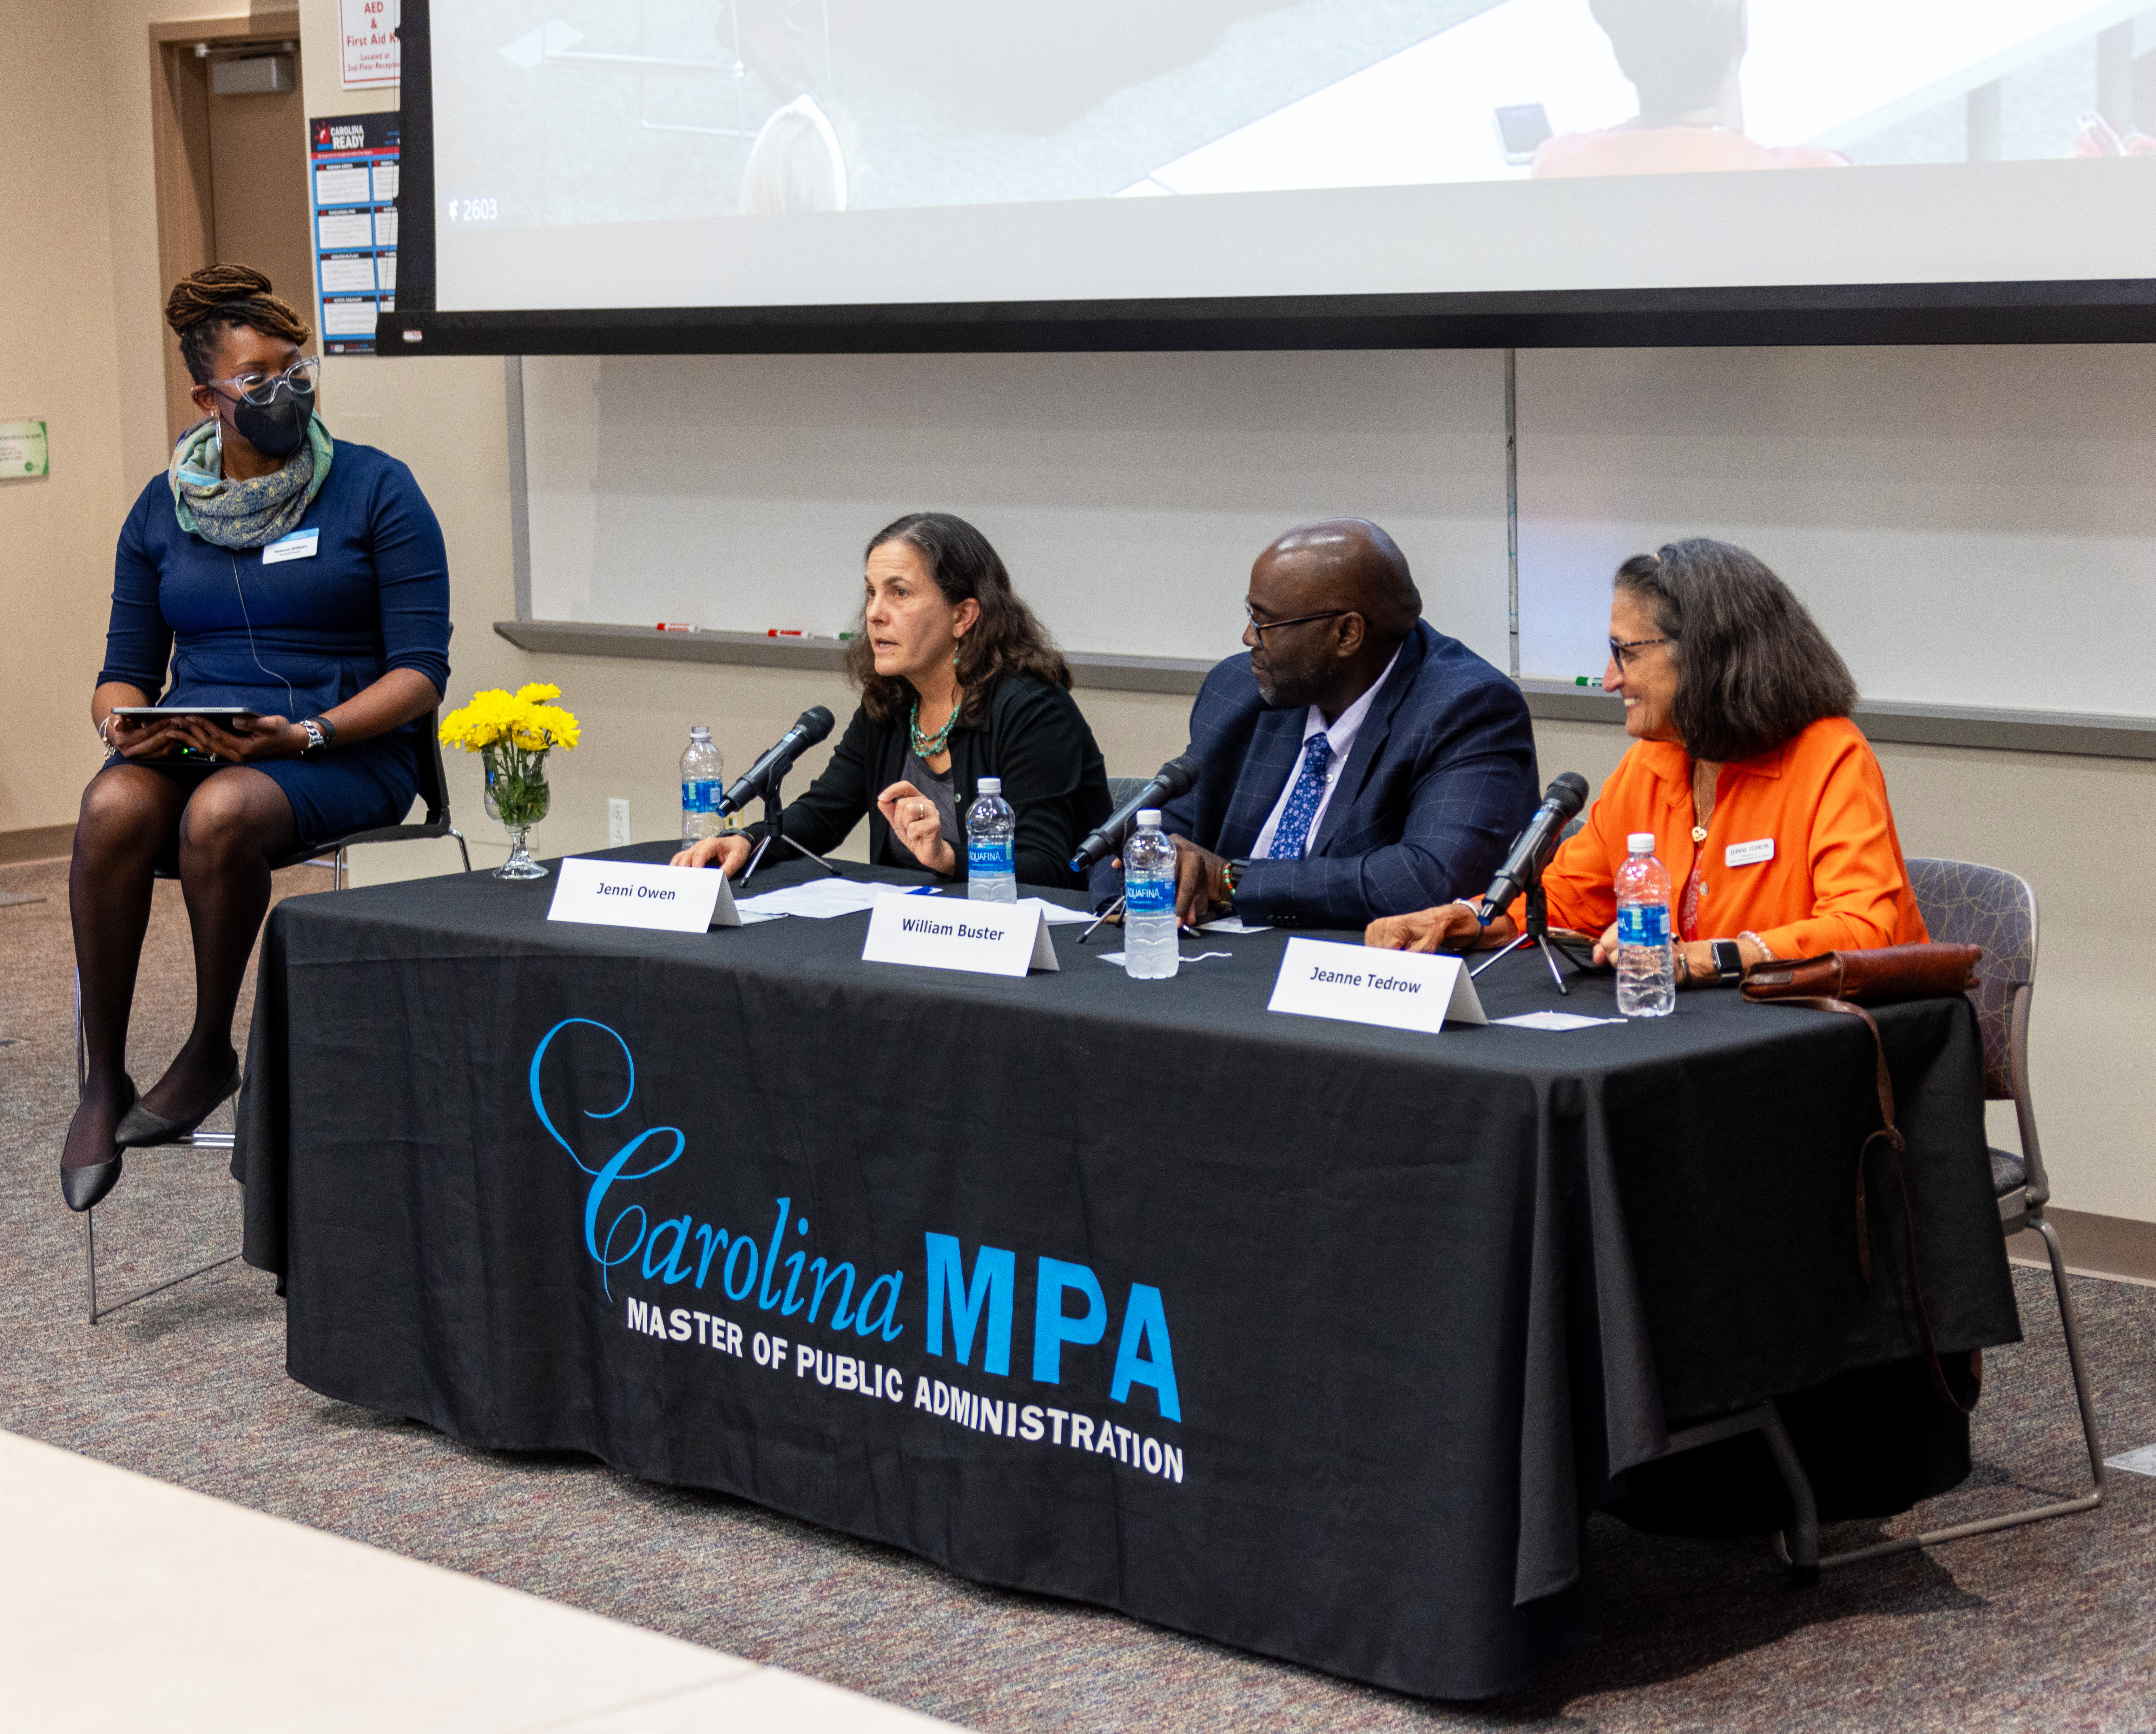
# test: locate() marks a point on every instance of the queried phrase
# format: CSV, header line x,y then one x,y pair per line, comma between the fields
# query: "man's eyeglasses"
x,y
1262,627
1619,653
260,389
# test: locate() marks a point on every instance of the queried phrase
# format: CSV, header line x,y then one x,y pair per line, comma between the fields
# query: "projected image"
x,y
587,111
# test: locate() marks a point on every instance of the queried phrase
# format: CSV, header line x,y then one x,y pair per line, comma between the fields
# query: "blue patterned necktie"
x,y
1294,829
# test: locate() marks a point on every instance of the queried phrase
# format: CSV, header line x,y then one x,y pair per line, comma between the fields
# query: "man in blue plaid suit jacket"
x,y
1424,775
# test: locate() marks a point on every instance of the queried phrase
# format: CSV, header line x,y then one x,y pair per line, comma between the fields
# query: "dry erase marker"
x,y
675,626
783,632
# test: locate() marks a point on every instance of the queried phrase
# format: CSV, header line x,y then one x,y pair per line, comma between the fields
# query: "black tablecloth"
x,y
1365,1318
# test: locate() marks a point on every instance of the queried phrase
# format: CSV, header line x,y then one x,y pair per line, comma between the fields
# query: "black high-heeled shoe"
x,y
83,1187
139,1128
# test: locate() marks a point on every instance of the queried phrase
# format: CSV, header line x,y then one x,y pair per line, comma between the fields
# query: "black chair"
x,y
433,792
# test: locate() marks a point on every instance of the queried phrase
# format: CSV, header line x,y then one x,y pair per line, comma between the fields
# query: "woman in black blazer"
x,y
959,682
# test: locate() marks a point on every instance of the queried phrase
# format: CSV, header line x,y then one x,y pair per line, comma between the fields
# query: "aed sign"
x,y
367,29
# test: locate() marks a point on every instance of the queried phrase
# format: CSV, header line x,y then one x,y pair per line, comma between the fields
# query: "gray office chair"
x,y
1965,905
434,791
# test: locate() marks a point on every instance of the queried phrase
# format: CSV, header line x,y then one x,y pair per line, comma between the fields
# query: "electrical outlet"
x,y
617,822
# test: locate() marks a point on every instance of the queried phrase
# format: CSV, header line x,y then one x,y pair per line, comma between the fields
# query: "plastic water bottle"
x,y
1149,953
1646,961
703,781
991,849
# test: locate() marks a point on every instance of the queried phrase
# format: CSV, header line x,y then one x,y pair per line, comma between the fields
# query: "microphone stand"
x,y
1109,914
1535,932
774,832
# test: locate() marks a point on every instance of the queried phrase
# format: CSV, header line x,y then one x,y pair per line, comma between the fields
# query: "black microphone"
x,y
814,724
1178,776
1533,848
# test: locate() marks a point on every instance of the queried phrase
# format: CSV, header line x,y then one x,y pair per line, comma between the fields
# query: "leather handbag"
x,y
1867,978
1847,981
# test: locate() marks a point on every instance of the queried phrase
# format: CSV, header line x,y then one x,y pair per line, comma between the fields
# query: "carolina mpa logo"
x,y
775,1275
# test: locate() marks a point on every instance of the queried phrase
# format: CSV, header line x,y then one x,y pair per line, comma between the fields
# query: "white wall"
x,y
1127,493
1971,526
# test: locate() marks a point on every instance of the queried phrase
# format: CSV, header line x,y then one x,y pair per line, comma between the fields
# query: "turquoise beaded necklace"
x,y
929,745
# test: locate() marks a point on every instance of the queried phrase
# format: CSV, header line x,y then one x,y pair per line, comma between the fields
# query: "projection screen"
x,y
687,160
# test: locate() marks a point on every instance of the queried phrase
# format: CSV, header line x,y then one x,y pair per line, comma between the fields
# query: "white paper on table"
x,y
1230,924
1552,1021
820,899
1056,914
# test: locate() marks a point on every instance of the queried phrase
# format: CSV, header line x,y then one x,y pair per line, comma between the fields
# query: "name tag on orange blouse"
x,y
1737,855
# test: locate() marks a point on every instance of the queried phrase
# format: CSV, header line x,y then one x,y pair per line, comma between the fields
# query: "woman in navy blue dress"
x,y
278,570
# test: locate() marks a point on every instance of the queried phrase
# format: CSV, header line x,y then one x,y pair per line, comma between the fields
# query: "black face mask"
x,y
277,428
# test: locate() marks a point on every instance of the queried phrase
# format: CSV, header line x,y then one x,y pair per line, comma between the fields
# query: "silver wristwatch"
x,y
315,738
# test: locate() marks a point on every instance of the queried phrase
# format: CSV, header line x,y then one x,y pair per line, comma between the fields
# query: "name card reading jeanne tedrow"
x,y
1401,990
629,893
991,939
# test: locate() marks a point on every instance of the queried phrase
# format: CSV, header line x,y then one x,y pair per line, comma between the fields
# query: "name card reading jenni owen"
x,y
1402,989
940,934
629,893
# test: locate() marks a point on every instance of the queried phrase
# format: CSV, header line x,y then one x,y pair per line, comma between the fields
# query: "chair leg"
x,y
1802,1543
461,850
339,870
2071,1328
89,1244
2057,1508
1798,1547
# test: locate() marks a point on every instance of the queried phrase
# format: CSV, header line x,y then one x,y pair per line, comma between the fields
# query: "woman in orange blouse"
x,y
1766,804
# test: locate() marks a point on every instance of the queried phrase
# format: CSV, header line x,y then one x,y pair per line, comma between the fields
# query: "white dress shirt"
x,y
1341,734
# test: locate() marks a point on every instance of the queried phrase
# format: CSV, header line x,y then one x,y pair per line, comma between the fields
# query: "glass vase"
x,y
517,796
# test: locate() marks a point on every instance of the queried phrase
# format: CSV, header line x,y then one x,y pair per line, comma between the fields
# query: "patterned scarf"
x,y
245,514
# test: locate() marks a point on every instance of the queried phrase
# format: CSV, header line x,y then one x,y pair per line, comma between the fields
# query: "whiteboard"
x,y
1128,494
1972,527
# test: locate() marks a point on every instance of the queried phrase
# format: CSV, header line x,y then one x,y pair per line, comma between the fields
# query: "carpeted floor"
x,y
2052,1626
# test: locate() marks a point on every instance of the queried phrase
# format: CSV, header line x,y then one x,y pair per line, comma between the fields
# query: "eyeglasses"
x,y
1617,651
260,389
1262,627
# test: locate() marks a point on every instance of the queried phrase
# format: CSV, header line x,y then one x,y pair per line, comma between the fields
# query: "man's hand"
x,y
729,850
1450,927
913,821
1201,882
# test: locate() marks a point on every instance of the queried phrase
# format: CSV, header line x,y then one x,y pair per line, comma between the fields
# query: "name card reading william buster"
x,y
1401,990
941,934
631,893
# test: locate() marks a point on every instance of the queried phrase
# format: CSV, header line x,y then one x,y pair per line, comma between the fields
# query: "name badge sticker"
x,y
988,938
1749,854
299,545
1355,983
629,893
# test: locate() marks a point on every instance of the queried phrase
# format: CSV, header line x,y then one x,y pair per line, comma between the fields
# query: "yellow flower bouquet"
x,y
514,734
